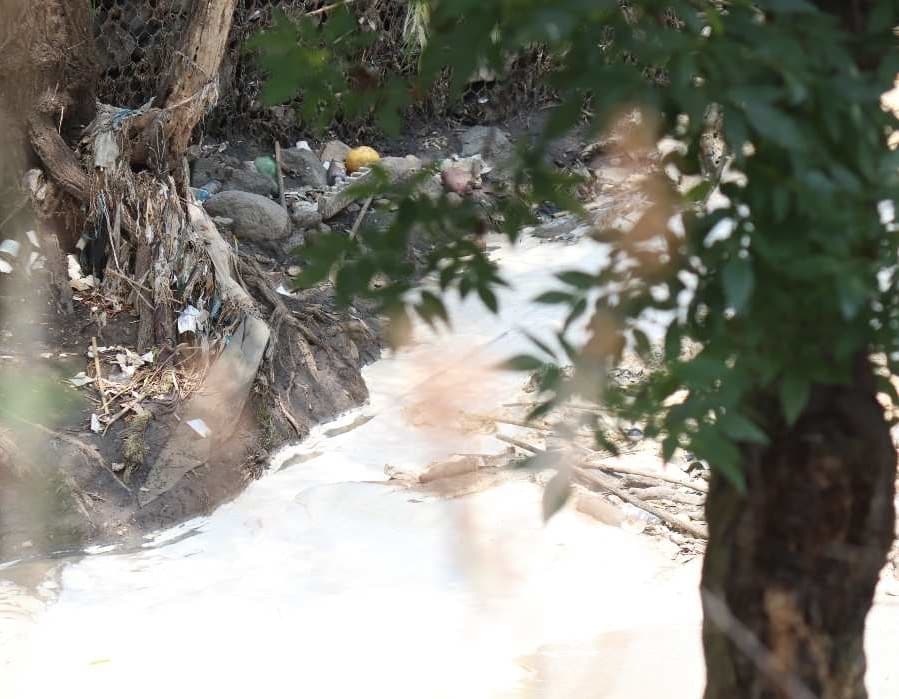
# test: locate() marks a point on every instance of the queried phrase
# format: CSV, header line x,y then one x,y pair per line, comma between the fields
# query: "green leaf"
x,y
852,294
739,281
771,123
742,429
488,298
787,5
579,280
722,455
669,446
794,393
431,307
542,345
556,494
554,297
522,362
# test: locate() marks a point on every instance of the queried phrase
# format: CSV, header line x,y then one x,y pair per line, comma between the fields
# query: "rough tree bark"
x,y
791,567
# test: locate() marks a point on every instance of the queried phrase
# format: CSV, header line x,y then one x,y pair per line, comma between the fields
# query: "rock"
x,y
223,223
246,180
305,166
457,181
213,186
334,151
396,170
400,168
304,214
205,169
336,172
454,199
492,143
255,217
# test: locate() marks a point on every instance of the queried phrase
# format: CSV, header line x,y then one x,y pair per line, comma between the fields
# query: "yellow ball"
x,y
360,157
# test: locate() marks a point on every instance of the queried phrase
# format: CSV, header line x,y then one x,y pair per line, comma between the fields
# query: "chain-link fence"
x,y
136,39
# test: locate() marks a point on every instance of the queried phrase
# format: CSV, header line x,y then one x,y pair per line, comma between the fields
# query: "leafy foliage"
x,y
781,289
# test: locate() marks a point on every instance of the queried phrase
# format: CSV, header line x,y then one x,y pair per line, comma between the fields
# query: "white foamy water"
x,y
325,580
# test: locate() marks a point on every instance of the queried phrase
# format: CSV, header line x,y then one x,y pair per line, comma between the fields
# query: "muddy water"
x,y
325,580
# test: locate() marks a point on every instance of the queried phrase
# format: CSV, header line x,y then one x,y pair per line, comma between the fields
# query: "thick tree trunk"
x,y
791,567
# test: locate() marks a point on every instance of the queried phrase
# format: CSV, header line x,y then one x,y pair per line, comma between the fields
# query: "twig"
x,y
85,449
99,375
280,175
124,411
665,493
594,479
524,446
328,8
510,421
16,209
355,229
624,470
290,418
137,287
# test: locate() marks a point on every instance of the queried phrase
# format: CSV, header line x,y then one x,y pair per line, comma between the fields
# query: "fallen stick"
x,y
524,446
673,521
99,375
129,406
85,449
280,175
358,222
665,493
624,470
510,421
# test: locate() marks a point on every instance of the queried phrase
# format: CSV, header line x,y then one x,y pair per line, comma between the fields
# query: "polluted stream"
x,y
326,578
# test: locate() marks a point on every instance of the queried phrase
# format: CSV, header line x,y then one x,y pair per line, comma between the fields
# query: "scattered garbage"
x,y
77,280
361,157
81,379
10,247
266,165
200,427
191,320
201,195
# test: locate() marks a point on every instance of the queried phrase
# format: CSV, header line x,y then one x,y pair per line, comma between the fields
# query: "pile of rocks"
x,y
242,195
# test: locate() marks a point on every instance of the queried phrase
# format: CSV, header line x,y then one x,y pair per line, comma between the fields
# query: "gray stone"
x,y
213,186
246,180
492,143
400,168
305,166
304,214
335,151
255,217
396,170
212,168
223,223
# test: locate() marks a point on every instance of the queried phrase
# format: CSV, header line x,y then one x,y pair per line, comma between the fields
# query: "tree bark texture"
x,y
791,566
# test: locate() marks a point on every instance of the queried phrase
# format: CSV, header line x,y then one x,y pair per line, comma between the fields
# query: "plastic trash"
x,y
200,427
360,157
10,247
201,195
266,165
635,519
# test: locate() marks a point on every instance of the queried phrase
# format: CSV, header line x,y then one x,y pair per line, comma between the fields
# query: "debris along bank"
x,y
151,432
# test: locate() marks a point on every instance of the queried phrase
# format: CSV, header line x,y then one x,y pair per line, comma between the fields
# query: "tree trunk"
x,y
791,566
